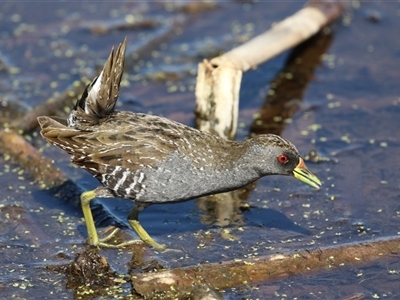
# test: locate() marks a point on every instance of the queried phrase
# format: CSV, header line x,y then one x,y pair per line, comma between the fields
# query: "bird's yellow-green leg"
x,y
86,197
133,220
93,238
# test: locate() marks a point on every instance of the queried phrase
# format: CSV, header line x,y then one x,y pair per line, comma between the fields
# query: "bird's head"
x,y
277,156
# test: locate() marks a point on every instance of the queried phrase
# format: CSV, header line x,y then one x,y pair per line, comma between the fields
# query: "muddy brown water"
x,y
348,113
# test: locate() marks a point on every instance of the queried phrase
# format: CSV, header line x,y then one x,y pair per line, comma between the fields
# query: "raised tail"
x,y
101,95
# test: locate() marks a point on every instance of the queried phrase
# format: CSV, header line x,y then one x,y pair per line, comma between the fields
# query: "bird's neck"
x,y
252,162
239,162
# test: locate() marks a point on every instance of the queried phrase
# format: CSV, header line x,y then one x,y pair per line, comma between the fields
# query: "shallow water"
x,y
347,113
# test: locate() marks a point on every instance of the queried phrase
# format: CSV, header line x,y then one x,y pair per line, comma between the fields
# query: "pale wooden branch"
x,y
282,36
217,98
218,81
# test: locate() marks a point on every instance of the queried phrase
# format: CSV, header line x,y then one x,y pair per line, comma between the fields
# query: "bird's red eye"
x,y
283,158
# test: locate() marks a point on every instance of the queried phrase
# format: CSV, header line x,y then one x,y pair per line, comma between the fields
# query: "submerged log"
x,y
40,168
219,276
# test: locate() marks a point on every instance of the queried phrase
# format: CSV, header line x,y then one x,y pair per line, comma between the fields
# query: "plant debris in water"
x,y
88,269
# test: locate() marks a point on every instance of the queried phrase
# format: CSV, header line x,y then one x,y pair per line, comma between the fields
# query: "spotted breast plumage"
x,y
151,159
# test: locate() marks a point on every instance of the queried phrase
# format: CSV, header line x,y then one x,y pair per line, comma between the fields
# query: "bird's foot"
x,y
104,242
144,236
